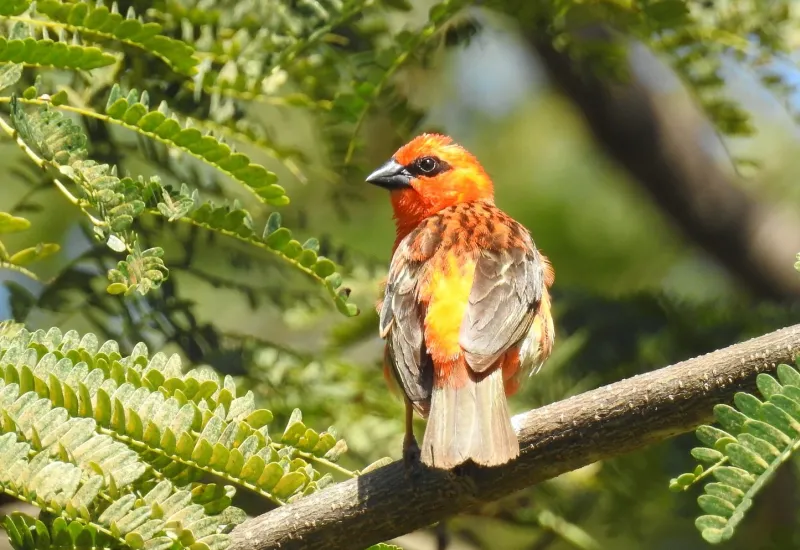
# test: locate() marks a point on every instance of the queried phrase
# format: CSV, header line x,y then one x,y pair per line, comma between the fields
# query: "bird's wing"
x,y
507,290
401,324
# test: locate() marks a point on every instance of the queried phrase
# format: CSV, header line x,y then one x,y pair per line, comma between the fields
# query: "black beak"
x,y
391,176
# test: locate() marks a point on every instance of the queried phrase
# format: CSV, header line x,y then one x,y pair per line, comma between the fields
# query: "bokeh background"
x,y
633,292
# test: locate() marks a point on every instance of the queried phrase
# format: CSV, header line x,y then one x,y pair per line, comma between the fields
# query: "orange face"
x,y
428,174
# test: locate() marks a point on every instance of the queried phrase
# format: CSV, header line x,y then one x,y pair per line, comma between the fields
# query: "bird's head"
x,y
428,174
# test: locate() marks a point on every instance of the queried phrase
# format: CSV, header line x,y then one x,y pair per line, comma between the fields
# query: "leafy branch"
x,y
22,48
137,422
131,112
100,21
757,438
53,141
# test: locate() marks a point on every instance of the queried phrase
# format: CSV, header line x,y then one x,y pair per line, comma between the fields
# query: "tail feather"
x,y
470,422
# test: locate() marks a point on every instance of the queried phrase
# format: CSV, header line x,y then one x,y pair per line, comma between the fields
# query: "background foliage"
x,y
186,177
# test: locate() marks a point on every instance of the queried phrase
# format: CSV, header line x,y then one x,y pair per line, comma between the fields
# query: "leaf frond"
x,y
93,20
21,45
165,422
755,439
54,141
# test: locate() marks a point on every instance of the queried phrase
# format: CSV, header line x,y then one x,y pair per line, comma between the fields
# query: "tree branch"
x,y
755,242
560,437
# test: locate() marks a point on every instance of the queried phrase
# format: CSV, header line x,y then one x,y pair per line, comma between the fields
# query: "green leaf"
x,y
235,463
9,74
380,463
117,288
33,254
767,385
682,482
202,452
324,267
88,492
273,224
117,510
731,419
763,448
768,433
270,476
15,537
711,527
14,7
778,418
725,492
787,405
46,52
279,238
253,469
133,519
716,506
786,374
259,418
289,484
748,404
154,124
744,458
96,19
666,14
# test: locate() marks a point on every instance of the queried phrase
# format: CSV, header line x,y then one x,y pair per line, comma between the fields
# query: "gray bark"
x,y
596,425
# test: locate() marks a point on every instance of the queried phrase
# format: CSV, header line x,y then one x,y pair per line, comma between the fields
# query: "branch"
x,y
596,425
755,242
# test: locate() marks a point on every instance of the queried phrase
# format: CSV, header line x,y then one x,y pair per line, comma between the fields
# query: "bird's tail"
x,y
470,421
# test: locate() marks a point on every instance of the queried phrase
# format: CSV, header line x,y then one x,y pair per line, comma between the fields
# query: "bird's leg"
x,y
411,453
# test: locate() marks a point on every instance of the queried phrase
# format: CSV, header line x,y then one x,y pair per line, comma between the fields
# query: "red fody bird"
x,y
466,309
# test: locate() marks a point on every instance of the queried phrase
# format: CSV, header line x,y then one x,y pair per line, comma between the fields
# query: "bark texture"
x,y
599,424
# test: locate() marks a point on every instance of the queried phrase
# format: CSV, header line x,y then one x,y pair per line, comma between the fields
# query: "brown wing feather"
x,y
506,292
401,324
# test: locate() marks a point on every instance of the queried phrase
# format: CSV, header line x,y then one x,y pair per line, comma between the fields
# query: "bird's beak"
x,y
391,176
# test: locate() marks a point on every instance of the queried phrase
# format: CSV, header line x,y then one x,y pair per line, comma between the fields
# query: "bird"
x,y
465,310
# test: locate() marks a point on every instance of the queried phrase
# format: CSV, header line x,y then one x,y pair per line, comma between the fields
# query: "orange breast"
x,y
446,294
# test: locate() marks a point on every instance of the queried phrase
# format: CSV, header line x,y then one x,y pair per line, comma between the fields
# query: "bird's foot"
x,y
412,457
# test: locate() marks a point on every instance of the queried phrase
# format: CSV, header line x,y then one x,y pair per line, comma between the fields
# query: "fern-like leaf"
x,y
27,533
98,20
132,111
181,425
61,143
60,488
9,75
47,53
14,7
756,438
53,140
279,241
21,47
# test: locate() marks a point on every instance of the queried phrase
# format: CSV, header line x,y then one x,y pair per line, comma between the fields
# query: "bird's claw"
x,y
412,457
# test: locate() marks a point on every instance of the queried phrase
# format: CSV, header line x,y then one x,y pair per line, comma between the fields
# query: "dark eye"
x,y
427,165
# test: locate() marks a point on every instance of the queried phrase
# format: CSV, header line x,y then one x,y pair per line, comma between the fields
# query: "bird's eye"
x,y
427,165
